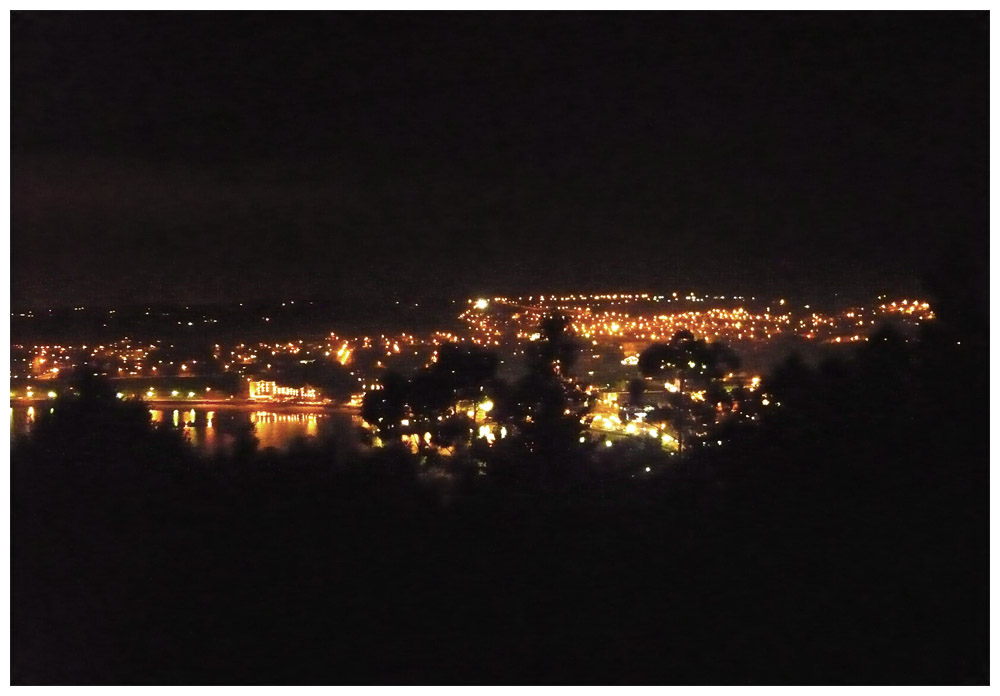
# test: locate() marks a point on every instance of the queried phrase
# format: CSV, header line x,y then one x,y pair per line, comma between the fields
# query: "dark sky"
x,y
215,157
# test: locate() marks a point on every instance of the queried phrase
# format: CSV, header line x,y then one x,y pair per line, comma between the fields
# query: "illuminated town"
x,y
336,370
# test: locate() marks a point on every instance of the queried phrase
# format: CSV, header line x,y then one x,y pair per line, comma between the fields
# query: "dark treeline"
x,y
843,538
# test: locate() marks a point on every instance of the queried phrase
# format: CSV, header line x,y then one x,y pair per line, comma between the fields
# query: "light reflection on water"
x,y
207,429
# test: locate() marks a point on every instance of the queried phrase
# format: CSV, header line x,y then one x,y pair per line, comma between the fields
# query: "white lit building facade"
x,y
266,390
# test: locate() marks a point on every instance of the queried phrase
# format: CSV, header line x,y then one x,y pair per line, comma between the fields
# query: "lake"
x,y
208,428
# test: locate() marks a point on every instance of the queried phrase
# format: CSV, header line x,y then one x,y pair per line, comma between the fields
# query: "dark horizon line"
x,y
390,298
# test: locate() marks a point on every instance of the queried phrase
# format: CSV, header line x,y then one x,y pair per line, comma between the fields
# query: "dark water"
x,y
208,429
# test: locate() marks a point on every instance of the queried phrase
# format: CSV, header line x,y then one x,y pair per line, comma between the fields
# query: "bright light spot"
x,y
486,406
174,393
190,394
405,421
648,469
51,395
607,443
765,402
481,304
120,395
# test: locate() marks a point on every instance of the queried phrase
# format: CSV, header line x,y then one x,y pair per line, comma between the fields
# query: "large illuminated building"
x,y
266,390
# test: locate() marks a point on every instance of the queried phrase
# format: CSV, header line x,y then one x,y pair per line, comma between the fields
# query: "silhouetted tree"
x,y
547,403
460,373
695,367
384,408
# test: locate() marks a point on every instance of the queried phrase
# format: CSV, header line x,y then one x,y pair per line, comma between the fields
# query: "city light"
x,y
616,326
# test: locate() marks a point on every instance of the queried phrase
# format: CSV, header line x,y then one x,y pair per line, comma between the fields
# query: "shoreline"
x,y
231,404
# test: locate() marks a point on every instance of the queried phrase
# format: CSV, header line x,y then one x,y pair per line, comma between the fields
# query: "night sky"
x,y
217,157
